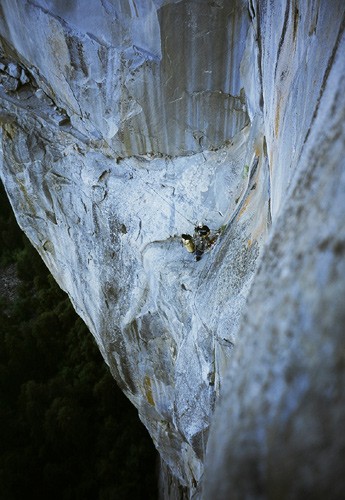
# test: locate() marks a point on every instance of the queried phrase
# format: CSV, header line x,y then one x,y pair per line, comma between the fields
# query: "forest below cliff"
x,y
66,430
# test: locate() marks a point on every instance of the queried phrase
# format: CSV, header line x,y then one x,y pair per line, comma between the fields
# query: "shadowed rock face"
x,y
125,123
277,432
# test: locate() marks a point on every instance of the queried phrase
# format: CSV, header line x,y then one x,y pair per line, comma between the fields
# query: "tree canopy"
x,y
67,432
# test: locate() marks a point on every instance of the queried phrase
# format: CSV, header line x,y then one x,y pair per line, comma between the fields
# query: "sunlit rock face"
x,y
123,125
149,77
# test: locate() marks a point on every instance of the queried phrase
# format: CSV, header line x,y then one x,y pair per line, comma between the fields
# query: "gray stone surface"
x,y
278,431
123,126
146,77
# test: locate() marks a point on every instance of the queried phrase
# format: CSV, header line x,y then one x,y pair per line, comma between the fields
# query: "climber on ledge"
x,y
202,230
199,242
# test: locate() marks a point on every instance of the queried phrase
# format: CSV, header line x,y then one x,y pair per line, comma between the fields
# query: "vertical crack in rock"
x,y
326,74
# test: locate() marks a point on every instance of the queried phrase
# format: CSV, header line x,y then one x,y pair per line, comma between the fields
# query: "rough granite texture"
x,y
123,125
278,431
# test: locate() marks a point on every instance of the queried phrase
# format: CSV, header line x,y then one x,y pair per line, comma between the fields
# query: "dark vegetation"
x,y
66,431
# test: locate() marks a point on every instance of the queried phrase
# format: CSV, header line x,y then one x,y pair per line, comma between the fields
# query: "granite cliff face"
x,y
123,124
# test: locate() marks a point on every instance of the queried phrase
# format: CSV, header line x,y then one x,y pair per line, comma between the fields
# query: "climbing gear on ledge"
x,y
188,243
201,241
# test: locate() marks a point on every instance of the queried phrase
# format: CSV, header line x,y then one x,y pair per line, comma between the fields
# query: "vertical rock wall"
x,y
144,77
277,432
123,124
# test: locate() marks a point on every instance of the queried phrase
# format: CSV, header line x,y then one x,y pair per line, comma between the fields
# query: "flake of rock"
x,y
13,70
23,77
42,96
10,84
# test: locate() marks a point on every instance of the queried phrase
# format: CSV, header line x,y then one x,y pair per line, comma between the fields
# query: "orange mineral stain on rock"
x,y
246,203
260,230
148,390
277,119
